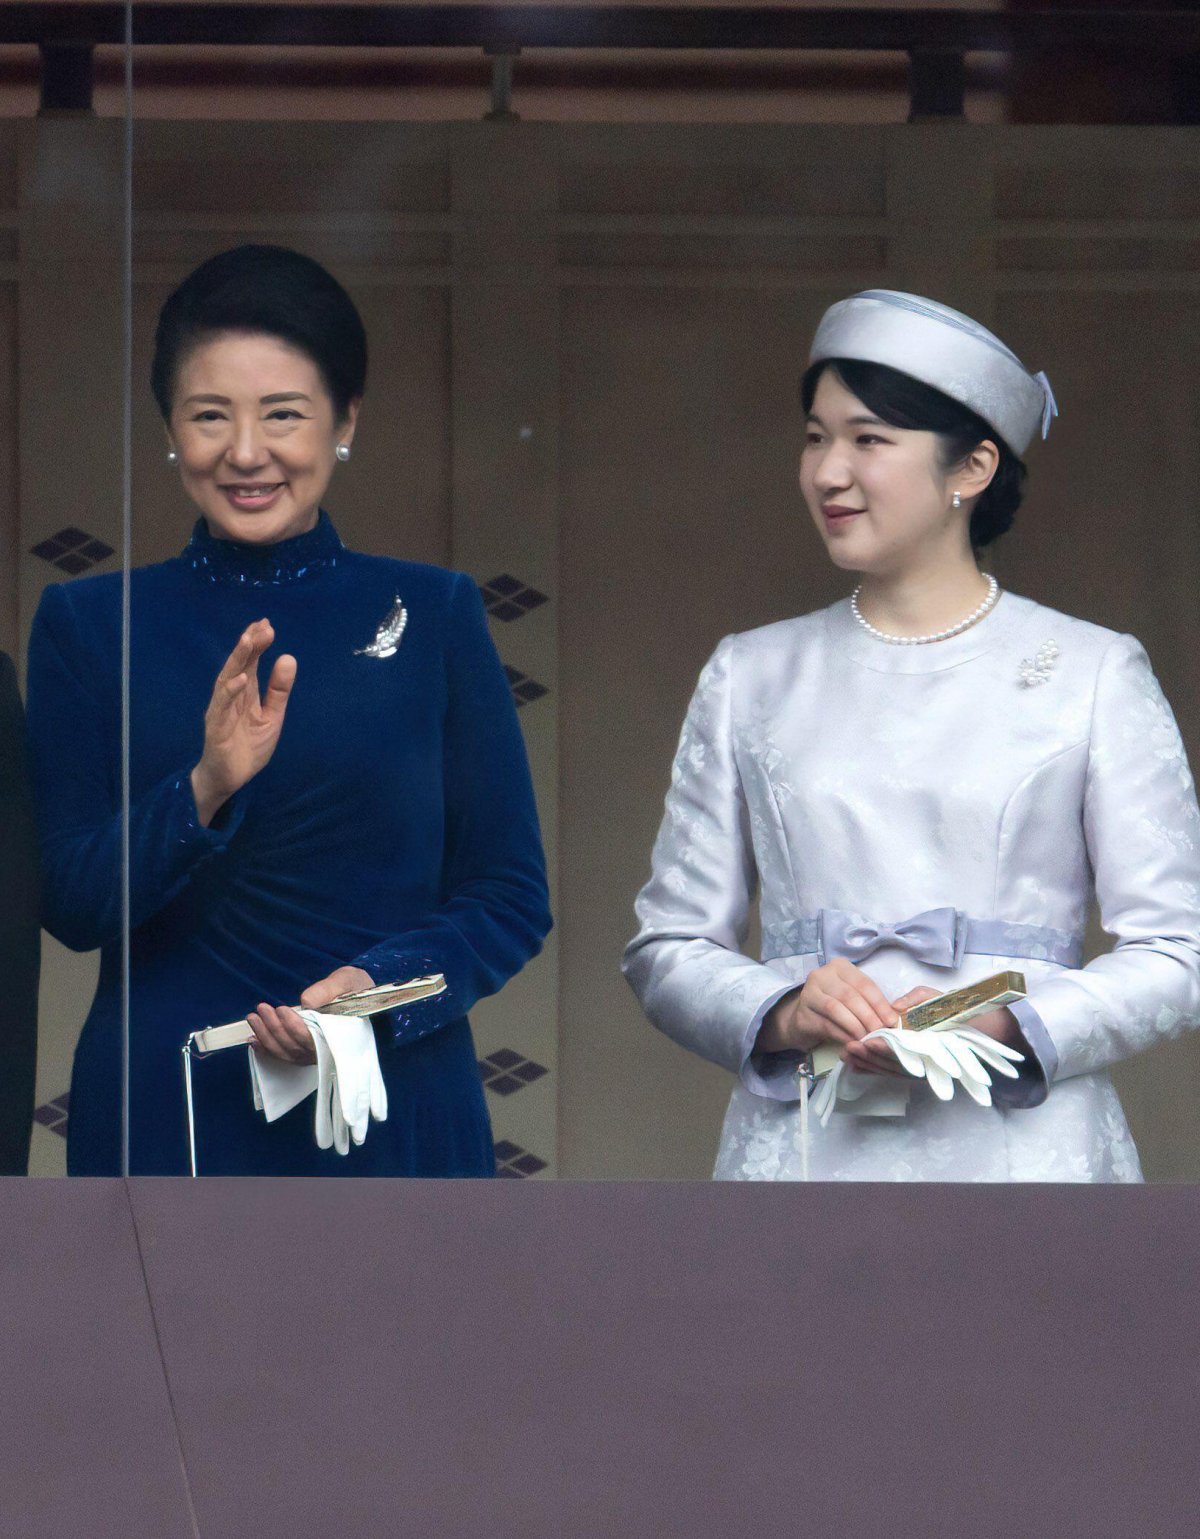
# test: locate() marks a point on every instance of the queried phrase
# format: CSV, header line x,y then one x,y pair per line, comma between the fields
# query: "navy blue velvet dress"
x,y
393,829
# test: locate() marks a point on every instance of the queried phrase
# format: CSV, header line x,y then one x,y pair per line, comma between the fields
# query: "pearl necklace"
x,y
993,593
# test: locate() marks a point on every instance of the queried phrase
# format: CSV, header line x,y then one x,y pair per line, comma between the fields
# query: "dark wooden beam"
x,y
509,29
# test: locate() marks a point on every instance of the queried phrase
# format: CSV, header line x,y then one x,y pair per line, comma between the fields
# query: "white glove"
x,y
960,1054
329,1126
350,1087
276,1085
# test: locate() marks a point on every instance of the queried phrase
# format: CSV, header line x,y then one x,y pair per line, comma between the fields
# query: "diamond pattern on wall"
x,y
514,1163
524,689
72,551
506,1072
54,1114
507,598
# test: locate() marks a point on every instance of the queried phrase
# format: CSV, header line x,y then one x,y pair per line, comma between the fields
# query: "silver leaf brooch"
x,y
387,637
1037,669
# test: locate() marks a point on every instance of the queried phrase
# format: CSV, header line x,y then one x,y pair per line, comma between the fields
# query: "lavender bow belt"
x,y
940,937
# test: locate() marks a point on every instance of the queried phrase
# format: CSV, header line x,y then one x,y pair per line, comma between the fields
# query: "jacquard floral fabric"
x,y
825,769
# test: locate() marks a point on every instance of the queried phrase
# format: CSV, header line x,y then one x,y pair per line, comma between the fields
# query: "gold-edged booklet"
x,y
959,1005
384,996
954,1008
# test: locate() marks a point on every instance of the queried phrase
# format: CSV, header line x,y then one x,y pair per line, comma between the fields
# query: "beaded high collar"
x,y
263,566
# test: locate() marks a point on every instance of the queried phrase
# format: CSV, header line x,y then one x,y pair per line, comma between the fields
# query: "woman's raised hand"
x,y
241,728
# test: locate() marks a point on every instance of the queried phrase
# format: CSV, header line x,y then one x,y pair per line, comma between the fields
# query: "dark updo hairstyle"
x,y
904,402
272,291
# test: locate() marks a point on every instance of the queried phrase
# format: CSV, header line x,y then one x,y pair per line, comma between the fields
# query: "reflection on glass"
x,y
62,382
18,932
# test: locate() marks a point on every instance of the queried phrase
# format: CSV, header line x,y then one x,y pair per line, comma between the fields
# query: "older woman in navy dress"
x,y
313,809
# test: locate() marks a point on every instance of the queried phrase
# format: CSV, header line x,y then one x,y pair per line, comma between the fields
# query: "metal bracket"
x,y
66,82
502,84
191,1105
937,85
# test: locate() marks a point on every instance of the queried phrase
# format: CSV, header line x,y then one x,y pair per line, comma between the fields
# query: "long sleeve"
x,y
75,741
685,965
494,912
1142,830
19,933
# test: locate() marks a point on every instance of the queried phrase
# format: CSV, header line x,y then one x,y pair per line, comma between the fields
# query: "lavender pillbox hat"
x,y
943,348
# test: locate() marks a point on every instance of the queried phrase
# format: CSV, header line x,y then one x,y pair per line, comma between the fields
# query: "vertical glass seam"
x,y
127,557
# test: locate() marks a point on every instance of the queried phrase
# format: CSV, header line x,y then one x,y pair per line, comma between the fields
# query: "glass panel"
x,y
386,830
582,335
63,311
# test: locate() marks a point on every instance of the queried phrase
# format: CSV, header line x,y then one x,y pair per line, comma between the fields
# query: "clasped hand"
x,y
839,1003
284,1034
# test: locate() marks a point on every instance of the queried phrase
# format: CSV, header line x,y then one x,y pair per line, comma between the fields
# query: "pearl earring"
x,y
956,501
343,452
172,457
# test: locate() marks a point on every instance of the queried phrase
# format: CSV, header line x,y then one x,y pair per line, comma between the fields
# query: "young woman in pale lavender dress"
x,y
926,783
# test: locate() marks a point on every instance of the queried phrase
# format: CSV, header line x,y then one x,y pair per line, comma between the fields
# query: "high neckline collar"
x,y
263,566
